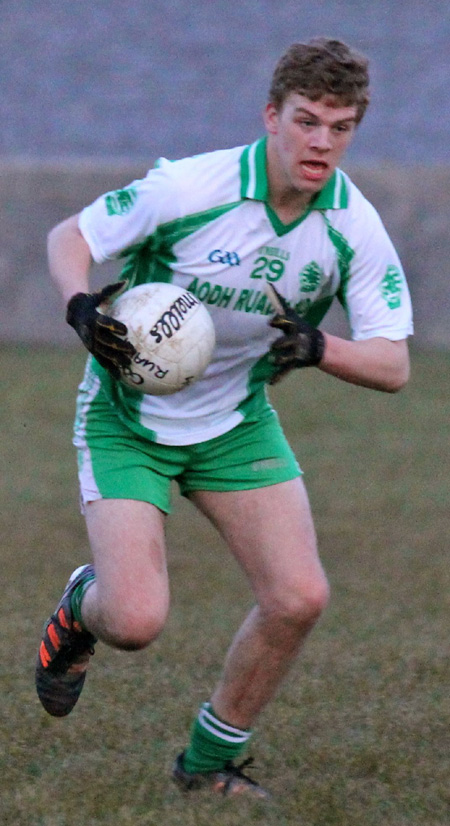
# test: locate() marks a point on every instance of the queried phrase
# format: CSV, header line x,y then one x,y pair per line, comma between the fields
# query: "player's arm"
x,y
69,258
377,363
70,262
378,306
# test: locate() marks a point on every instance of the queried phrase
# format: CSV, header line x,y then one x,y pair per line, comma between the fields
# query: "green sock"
x,y
213,742
77,598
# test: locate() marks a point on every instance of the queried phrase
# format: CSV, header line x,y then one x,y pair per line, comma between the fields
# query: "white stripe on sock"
x,y
222,730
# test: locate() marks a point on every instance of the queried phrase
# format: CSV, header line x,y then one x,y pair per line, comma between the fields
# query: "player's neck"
x,y
289,206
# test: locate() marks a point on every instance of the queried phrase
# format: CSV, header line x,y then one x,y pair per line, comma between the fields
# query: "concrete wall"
x,y
175,77
414,204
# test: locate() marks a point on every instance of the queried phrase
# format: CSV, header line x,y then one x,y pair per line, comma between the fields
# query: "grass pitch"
x,y
358,736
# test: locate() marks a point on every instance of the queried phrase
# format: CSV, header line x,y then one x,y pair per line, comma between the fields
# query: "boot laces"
x,y
236,772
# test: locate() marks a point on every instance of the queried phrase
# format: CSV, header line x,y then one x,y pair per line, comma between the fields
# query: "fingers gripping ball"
x,y
101,335
172,333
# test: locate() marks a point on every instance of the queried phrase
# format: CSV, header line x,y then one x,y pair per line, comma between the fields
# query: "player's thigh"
x,y
270,531
127,539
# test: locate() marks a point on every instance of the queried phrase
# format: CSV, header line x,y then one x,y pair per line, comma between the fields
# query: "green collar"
x,y
254,184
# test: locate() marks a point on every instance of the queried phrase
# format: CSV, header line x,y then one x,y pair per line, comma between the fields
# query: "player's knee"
x,y
314,601
134,628
302,603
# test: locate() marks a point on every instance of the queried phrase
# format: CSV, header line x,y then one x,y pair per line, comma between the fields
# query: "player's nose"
x,y
321,139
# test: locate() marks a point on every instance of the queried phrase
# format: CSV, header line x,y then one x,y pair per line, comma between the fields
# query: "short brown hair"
x,y
322,67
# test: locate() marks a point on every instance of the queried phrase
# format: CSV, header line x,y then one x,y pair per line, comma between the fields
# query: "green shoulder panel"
x,y
152,259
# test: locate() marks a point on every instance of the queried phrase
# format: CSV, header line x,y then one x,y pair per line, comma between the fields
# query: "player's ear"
x,y
270,117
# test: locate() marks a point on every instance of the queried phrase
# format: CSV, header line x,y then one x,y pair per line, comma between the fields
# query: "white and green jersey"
x,y
205,224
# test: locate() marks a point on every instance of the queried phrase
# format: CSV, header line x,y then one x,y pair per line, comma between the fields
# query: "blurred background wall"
x,y
92,93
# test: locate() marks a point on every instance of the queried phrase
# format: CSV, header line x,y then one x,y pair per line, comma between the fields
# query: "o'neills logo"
x,y
172,319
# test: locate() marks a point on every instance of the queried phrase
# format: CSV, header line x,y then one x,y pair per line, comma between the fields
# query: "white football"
x,y
173,334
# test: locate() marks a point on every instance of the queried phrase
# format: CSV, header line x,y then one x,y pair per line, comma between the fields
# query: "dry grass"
x,y
358,735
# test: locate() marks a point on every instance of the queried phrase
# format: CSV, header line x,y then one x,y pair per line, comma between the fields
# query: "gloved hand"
x,y
302,344
98,332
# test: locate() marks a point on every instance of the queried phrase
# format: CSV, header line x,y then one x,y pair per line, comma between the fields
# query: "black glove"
x,y
302,344
98,332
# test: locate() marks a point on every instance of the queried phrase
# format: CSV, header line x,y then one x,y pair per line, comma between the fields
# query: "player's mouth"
x,y
314,170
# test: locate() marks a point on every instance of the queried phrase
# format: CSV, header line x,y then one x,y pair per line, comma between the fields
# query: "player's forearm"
x,y
69,258
376,363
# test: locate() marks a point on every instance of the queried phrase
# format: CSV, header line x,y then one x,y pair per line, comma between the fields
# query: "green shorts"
x,y
116,463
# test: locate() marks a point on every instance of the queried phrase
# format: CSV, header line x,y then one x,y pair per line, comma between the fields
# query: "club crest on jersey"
x,y
310,277
121,201
391,287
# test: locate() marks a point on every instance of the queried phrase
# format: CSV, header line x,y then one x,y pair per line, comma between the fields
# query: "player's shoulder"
x,y
216,159
211,177
358,212
357,220
355,197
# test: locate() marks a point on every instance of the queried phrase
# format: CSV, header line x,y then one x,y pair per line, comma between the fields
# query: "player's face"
x,y
306,140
